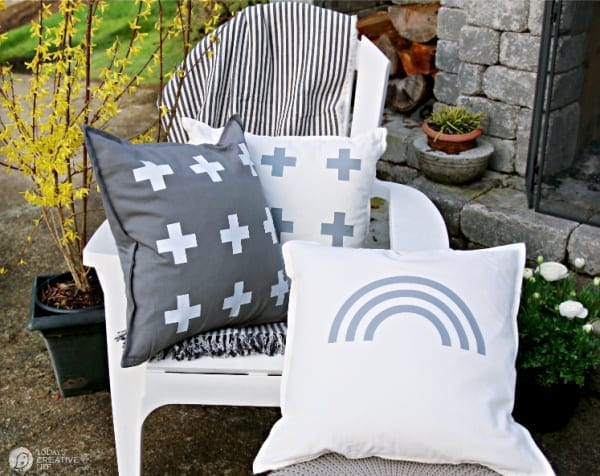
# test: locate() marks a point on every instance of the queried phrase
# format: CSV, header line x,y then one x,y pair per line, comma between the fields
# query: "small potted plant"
x,y
557,343
453,129
449,152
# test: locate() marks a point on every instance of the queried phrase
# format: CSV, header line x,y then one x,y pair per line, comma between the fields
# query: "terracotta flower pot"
x,y
451,143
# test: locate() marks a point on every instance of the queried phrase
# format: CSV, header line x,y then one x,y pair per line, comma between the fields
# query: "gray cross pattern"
x,y
281,225
338,229
278,161
269,226
234,234
238,299
280,289
205,167
153,172
245,158
344,164
183,314
177,243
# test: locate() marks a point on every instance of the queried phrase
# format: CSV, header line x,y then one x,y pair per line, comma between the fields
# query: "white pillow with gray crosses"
x,y
318,187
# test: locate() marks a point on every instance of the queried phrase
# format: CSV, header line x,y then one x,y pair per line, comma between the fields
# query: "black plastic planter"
x,y
76,342
544,409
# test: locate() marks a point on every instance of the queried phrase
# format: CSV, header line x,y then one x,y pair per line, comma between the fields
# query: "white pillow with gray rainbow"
x,y
405,356
317,187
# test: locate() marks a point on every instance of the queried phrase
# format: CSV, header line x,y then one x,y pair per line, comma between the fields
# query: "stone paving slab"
x,y
501,216
450,200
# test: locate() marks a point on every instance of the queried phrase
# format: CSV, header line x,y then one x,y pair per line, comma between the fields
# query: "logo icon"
x,y
20,460
365,310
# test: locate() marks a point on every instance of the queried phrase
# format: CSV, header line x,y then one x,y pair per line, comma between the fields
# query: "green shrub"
x,y
556,339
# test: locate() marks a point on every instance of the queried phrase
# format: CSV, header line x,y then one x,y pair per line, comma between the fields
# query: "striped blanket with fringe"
x,y
268,339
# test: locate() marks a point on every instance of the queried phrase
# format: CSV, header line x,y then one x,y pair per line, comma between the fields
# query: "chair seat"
x,y
250,364
336,465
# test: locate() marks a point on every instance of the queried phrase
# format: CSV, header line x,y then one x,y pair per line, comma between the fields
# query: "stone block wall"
x,y
487,59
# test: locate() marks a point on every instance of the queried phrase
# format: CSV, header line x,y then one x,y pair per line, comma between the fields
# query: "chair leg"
x,y
127,389
128,444
128,423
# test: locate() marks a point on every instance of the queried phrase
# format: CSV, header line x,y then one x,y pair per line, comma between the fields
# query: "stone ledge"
x,y
492,211
501,216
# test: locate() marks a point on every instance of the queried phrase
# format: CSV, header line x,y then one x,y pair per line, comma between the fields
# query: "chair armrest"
x,y
101,253
101,246
415,222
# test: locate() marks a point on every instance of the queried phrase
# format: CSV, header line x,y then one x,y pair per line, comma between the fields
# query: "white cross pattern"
x,y
238,299
154,173
245,158
234,234
269,225
205,167
280,289
183,314
177,243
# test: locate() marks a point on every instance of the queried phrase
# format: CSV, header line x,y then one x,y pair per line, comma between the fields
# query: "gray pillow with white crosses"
x,y
196,239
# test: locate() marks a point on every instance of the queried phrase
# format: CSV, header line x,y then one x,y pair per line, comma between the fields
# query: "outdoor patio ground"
x,y
178,440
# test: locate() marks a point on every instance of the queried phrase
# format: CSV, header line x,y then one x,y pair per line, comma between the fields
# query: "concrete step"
x,y
491,211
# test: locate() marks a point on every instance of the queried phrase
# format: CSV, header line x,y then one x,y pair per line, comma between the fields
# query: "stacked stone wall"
x,y
488,58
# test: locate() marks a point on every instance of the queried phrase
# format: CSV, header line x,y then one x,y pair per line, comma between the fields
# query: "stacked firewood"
x,y
407,34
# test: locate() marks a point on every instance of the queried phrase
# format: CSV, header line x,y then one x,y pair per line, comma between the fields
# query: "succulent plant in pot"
x,y
449,152
453,129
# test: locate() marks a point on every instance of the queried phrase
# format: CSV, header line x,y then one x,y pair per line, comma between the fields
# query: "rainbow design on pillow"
x,y
371,305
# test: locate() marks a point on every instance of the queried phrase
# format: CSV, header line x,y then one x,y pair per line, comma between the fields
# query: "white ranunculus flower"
x,y
579,263
553,271
571,309
588,327
527,273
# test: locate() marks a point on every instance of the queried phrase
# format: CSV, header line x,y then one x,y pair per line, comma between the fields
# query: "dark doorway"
x,y
563,174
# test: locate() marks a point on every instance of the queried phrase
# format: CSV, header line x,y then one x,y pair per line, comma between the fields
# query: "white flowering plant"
x,y
557,342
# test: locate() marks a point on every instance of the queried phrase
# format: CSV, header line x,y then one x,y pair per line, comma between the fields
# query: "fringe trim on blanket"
x,y
267,339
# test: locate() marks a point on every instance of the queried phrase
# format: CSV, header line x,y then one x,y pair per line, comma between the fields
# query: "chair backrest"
x,y
287,68
372,69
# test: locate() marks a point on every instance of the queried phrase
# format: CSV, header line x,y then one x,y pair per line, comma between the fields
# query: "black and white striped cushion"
x,y
286,68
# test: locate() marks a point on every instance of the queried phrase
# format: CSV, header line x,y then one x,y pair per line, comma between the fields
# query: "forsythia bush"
x,y
40,129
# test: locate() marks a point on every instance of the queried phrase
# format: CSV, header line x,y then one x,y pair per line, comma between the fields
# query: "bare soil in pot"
x,y
59,293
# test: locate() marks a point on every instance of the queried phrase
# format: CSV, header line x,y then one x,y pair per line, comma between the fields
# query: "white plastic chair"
x,y
415,224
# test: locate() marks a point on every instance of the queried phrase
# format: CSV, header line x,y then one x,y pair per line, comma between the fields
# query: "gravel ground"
x,y
178,440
